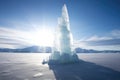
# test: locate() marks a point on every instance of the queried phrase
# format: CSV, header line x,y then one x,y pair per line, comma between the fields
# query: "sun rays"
x,y
20,38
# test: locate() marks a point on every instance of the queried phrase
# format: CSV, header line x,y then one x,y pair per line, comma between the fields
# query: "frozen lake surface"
x,y
28,66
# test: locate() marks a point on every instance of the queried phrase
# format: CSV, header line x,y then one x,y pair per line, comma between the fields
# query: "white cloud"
x,y
11,38
97,38
111,42
14,38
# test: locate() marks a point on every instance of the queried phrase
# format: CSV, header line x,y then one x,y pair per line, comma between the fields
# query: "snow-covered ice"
x,y
28,66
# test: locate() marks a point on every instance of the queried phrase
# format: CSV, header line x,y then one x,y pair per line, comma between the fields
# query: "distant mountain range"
x,y
37,49
32,49
80,50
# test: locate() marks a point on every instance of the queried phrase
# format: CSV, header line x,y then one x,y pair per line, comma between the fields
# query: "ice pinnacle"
x,y
62,51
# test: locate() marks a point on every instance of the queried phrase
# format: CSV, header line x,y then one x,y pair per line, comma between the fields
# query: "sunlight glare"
x,y
42,37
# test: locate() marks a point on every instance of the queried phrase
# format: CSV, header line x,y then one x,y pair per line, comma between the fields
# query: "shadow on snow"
x,y
83,71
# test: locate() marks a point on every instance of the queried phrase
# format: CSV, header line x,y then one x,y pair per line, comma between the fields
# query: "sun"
x,y
42,37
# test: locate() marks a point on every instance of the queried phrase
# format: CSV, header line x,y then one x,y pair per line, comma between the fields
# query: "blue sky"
x,y
95,24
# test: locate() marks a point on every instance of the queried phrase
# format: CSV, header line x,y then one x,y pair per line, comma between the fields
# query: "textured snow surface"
x,y
28,66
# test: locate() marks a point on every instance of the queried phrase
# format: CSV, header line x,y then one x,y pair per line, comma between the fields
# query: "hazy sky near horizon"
x,y
95,24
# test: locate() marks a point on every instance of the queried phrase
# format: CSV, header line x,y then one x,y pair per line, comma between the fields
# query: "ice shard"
x,y
62,52
64,32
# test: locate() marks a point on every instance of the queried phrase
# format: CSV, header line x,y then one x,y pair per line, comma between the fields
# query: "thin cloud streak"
x,y
105,42
10,38
15,37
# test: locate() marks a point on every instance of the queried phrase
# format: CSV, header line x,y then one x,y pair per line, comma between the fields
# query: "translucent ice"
x,y
62,51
